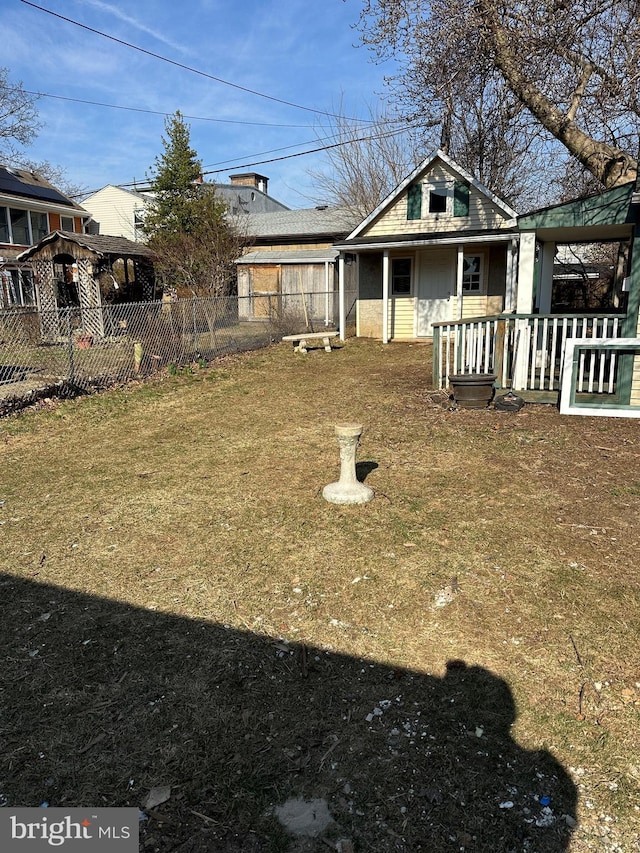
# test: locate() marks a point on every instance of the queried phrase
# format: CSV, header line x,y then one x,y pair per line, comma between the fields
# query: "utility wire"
x,y
189,68
211,171
153,112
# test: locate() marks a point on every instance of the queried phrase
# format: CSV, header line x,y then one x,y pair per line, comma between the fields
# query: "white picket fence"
x,y
525,351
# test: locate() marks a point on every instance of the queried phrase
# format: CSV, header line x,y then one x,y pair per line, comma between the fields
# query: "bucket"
x,y
473,390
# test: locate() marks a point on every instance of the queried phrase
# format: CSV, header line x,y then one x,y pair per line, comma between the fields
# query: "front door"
x,y
436,285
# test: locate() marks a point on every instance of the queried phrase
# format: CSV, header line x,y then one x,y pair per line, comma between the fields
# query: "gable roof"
x,y
426,164
98,244
142,193
27,185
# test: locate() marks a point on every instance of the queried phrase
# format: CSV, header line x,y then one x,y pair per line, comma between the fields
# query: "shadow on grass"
x,y
363,469
102,701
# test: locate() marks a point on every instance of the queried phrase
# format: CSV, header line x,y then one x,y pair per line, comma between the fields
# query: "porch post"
x,y
526,272
342,323
511,278
326,291
547,255
459,274
385,297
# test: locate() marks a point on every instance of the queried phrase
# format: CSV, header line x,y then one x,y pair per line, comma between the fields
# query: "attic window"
x,y
438,197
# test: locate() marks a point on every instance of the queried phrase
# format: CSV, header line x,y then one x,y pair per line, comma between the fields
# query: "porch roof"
x,y
441,238
606,216
295,256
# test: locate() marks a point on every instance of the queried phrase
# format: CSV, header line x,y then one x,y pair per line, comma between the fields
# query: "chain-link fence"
x,y
75,350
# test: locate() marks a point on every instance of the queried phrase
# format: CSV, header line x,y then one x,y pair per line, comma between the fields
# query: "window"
x,y
20,227
472,274
401,276
39,226
67,223
438,197
443,198
4,226
17,288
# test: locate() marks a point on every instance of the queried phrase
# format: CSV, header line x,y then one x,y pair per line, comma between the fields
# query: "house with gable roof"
x,y
440,247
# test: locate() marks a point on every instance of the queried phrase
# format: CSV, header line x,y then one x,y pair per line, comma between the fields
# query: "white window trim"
x,y
411,260
444,186
483,275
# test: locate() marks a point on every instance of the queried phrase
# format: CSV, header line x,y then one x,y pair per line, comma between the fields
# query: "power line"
x,y
153,112
189,68
210,171
304,153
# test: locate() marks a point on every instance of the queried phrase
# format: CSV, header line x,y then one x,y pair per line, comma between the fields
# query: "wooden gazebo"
x,y
87,271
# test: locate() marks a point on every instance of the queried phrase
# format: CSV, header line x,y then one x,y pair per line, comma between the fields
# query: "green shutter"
x,y
461,199
414,202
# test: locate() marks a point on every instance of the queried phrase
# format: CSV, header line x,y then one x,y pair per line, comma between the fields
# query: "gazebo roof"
x,y
101,245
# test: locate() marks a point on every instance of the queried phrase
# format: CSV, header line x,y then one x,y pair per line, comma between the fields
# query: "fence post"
x,y
437,358
498,353
195,326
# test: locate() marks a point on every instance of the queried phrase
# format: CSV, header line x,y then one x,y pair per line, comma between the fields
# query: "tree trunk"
x,y
611,166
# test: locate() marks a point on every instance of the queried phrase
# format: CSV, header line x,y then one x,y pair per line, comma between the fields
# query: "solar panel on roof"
x,y
10,183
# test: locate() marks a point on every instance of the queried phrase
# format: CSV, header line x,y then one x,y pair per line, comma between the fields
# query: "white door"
x,y
436,286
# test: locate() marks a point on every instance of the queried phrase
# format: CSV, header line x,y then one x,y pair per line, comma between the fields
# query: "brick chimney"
x,y
251,179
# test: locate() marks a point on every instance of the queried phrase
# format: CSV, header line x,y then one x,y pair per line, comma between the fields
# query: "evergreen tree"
x,y
187,225
175,178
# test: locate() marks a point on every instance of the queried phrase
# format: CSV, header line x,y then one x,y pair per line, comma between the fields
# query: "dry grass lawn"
x,y
182,608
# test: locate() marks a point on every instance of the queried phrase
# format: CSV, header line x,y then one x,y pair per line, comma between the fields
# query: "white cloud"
x,y
110,9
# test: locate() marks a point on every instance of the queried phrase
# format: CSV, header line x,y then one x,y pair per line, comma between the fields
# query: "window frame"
x,y
482,284
12,283
22,212
393,277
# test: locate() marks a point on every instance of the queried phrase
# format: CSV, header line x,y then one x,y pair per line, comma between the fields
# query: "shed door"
x,y
266,284
436,283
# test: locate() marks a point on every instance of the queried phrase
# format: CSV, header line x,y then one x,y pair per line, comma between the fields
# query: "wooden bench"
x,y
304,337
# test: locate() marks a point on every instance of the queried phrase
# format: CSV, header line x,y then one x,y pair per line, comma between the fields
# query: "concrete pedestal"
x,y
348,489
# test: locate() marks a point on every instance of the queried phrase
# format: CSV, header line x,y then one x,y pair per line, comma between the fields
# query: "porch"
x,y
525,351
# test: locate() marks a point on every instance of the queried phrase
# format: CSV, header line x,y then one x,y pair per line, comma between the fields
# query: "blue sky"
x,y
302,51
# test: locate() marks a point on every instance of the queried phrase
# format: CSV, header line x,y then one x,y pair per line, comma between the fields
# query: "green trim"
x,y
461,198
609,208
414,202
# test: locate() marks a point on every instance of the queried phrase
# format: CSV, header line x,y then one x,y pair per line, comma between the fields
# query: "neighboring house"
x,y
291,253
440,247
120,212
87,272
247,193
117,211
30,208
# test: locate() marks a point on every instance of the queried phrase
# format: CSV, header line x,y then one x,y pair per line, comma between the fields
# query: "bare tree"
x,y
18,117
366,163
572,67
199,261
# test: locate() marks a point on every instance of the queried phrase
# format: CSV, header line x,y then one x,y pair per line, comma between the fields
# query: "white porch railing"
x,y
525,351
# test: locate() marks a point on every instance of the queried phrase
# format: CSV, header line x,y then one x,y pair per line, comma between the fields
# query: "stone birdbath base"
x,y
348,489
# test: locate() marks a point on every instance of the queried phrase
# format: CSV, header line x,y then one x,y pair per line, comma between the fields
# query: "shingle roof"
x,y
309,222
101,244
30,185
295,256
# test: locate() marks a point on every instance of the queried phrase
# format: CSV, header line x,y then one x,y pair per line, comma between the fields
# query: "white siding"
x,y
483,213
114,209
